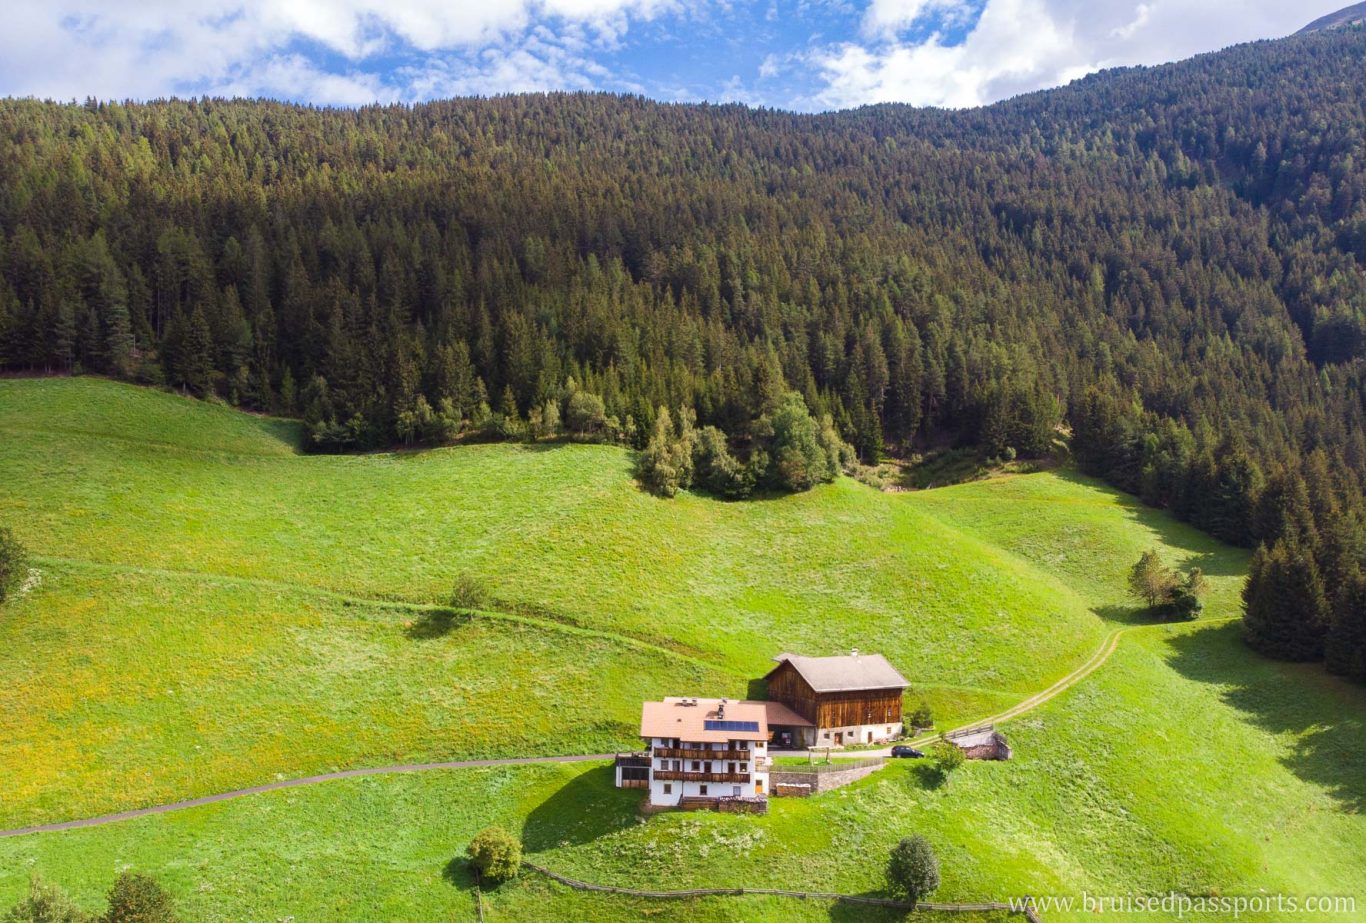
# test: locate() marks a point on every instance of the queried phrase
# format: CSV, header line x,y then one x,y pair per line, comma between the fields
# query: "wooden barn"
x,y
853,699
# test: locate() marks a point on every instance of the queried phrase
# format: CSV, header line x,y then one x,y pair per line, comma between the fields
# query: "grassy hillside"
x,y
218,611
161,522
556,529
151,688
1115,789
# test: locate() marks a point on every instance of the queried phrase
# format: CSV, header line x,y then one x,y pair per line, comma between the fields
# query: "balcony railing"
x,y
673,775
635,783
687,753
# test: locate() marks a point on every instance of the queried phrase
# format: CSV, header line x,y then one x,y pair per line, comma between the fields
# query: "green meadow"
x,y
218,611
1113,790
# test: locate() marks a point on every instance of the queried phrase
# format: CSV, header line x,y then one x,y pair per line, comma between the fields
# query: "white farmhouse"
x,y
702,752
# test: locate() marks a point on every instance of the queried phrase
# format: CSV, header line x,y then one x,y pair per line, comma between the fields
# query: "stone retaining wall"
x,y
796,783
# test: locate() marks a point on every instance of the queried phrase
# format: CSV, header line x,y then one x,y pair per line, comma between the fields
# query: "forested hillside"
x,y
1171,261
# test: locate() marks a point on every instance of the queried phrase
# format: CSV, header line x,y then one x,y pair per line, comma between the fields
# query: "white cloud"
x,y
147,48
1022,45
345,52
886,18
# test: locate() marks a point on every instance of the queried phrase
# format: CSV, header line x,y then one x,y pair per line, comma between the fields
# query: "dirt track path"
x,y
1107,647
295,783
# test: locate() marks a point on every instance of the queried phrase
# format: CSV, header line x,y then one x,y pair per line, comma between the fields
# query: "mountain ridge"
x,y
1347,16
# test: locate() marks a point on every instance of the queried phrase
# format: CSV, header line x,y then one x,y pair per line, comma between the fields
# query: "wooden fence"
x,y
980,907
836,765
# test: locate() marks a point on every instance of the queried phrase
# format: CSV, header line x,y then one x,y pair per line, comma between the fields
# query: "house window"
x,y
701,789
696,766
825,733
668,788
735,790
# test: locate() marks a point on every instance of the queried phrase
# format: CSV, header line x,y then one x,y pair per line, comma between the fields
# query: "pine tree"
x,y
1345,646
1285,612
62,333
1150,580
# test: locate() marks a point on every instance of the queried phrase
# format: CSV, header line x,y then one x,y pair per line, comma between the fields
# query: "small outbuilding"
x,y
980,743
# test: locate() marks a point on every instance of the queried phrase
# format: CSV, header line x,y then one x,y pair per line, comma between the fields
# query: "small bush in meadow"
x,y
46,903
469,592
947,758
13,564
913,869
495,854
139,899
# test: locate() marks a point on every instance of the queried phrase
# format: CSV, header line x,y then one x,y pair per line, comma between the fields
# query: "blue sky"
x,y
796,54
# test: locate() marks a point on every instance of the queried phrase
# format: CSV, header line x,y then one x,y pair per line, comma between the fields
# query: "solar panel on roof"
x,y
710,725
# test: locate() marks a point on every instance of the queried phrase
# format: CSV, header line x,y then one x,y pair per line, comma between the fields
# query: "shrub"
x,y
802,457
717,470
469,592
139,899
585,415
13,564
922,717
46,904
913,869
1185,604
947,758
666,465
495,854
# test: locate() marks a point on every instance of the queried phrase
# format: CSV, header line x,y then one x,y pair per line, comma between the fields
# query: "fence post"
x,y
478,897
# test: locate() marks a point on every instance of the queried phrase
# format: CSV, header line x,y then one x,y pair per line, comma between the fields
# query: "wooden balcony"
x,y
635,783
683,753
672,775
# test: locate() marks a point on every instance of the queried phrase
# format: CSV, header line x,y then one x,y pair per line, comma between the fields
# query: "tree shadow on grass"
x,y
1139,615
850,912
1327,715
436,623
1124,615
459,873
929,776
587,807
1213,557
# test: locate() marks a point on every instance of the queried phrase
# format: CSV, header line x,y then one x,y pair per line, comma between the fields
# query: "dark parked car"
x,y
907,753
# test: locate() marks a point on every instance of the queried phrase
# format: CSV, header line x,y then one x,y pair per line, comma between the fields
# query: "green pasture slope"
x,y
218,611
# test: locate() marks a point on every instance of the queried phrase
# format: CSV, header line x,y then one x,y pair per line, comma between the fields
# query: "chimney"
x,y
721,709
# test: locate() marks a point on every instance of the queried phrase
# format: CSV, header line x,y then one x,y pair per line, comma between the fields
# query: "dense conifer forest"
x,y
1167,263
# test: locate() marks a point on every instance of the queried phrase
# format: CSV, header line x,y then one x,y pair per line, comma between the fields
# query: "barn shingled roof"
x,y
845,673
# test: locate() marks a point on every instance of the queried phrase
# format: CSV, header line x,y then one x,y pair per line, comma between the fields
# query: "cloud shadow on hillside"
x,y
1330,750
587,807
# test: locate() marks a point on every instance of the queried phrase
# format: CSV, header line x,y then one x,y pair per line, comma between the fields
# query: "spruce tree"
x,y
1285,612
1345,646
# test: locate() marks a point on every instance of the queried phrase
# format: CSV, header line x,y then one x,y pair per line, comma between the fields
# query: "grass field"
x,y
1110,793
218,611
